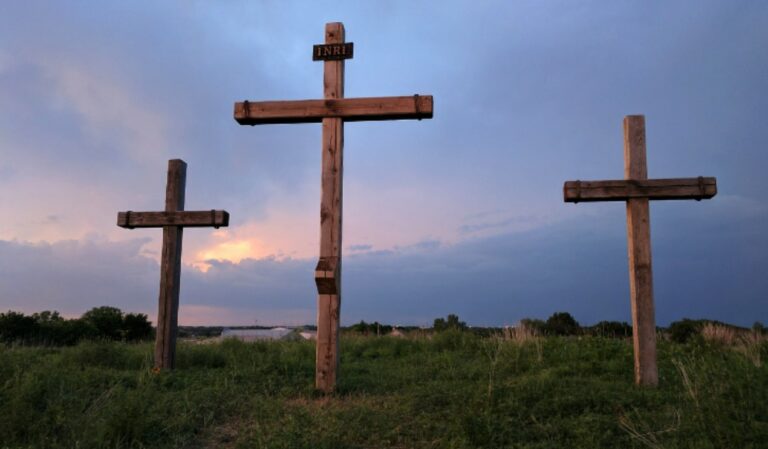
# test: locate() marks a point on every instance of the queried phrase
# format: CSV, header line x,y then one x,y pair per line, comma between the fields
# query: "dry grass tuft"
x,y
521,333
716,333
746,342
750,344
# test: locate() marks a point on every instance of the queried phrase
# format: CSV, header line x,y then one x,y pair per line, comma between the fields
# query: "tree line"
x,y
110,323
50,328
562,324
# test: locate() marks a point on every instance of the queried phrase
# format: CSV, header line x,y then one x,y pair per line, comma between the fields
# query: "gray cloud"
x,y
706,264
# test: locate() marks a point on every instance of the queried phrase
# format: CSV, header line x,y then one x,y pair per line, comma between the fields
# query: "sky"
x,y
459,214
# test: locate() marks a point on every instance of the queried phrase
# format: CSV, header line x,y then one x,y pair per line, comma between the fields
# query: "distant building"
x,y
308,335
276,333
396,333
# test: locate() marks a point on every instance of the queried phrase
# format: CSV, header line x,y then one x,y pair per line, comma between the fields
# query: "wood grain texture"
x,y
654,189
170,270
327,347
329,305
187,219
639,255
349,109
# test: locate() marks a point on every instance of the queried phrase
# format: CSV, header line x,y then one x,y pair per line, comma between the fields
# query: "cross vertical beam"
x,y
170,269
639,254
328,271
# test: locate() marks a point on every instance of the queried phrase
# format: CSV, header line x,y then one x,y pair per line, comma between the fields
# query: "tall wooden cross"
x,y
333,110
173,221
636,189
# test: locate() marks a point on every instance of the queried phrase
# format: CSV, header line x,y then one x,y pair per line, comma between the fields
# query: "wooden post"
x,y
173,221
329,299
639,252
333,110
637,190
170,269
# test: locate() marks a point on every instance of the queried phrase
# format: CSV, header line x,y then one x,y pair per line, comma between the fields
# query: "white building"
x,y
276,333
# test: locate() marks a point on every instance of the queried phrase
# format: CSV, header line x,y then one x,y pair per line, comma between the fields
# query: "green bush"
x,y
451,322
561,323
613,329
682,331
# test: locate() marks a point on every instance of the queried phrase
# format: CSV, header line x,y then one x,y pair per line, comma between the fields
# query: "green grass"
x,y
453,391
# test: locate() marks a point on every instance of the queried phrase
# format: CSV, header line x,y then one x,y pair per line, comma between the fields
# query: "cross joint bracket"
x,y
327,276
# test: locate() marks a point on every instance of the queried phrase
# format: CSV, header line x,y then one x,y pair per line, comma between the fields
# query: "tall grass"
x,y
454,390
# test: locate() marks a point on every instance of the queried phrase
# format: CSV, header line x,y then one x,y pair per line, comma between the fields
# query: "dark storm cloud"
x,y
707,259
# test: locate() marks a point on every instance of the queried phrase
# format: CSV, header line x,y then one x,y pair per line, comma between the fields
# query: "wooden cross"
x,y
333,110
173,221
636,189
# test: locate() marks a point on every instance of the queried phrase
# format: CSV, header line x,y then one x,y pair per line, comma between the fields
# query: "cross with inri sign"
x,y
636,189
333,110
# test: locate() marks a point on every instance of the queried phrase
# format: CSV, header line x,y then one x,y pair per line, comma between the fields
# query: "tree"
x,y
613,329
74,331
47,316
49,327
536,325
136,327
562,323
683,330
108,321
15,327
450,322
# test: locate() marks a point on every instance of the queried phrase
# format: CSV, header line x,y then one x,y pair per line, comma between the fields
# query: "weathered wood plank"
x,y
639,255
170,269
654,189
187,219
329,305
349,109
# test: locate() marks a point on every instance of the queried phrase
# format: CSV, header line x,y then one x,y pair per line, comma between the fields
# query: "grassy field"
x,y
455,390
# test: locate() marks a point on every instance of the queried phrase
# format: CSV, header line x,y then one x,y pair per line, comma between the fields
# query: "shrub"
x,y
136,327
534,324
450,322
108,321
683,330
374,328
562,323
613,329
15,327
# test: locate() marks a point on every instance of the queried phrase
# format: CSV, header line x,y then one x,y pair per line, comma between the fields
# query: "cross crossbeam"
x,y
173,221
349,109
188,219
637,190
332,111
700,188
